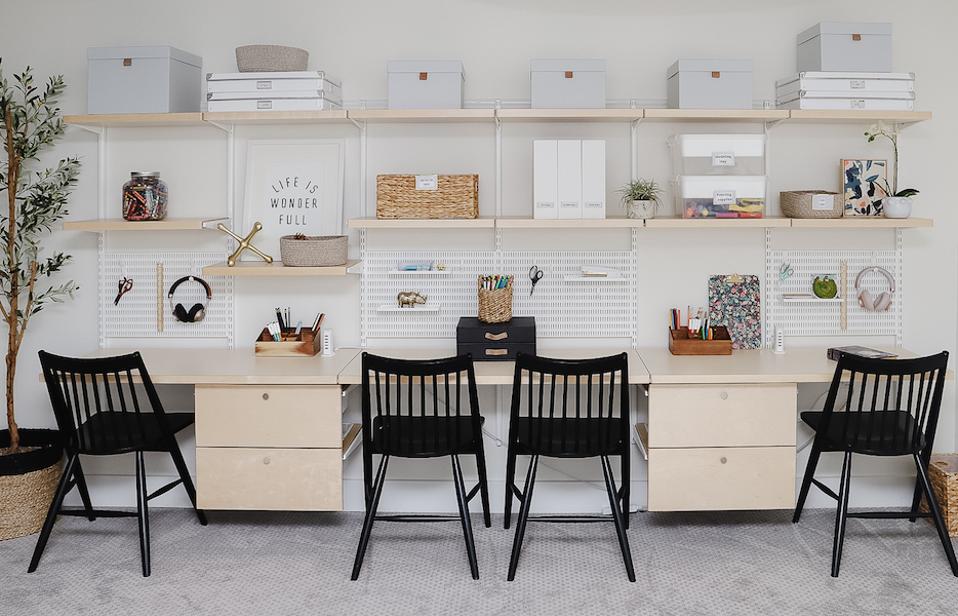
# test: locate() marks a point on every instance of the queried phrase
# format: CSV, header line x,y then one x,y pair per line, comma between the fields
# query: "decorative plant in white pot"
x,y
640,198
897,203
36,200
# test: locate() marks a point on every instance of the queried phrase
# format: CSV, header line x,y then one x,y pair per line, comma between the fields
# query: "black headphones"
x,y
198,311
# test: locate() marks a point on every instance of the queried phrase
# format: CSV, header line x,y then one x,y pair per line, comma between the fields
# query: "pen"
x,y
299,327
279,319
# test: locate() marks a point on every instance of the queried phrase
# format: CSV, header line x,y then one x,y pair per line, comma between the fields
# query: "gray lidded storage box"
x,y
845,46
568,84
710,84
151,79
416,84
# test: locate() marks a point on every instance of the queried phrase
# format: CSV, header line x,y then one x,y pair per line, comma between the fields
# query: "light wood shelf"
x,y
715,115
815,115
259,269
717,223
423,309
351,438
422,223
862,222
100,225
570,115
276,117
135,119
575,223
422,115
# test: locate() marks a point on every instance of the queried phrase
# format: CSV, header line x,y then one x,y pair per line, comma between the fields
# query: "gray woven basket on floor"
x,y
313,250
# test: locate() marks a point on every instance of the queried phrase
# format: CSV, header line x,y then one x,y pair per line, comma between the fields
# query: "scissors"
x,y
785,271
124,286
535,275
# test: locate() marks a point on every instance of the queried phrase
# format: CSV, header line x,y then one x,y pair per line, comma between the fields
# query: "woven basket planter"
x,y
943,472
800,204
495,306
28,481
313,250
455,196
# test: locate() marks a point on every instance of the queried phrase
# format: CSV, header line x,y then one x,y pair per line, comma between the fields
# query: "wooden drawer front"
x,y
721,478
281,416
269,479
722,415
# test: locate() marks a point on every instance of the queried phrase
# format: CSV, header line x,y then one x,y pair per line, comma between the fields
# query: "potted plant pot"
x,y
897,207
643,209
28,480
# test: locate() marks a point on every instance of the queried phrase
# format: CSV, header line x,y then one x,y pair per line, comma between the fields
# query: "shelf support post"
x,y
633,148
498,122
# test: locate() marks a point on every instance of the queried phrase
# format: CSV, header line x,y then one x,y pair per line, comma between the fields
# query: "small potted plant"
x,y
640,198
36,199
897,203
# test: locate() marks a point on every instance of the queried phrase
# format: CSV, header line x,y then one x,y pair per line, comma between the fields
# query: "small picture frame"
x,y
863,182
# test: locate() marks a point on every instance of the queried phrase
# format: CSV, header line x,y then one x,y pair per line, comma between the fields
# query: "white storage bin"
x,y
718,154
852,84
567,84
870,101
846,46
154,79
273,102
710,84
267,84
720,196
425,84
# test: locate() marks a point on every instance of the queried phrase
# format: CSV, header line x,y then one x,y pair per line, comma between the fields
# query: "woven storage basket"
x,y
495,306
943,472
798,204
24,500
455,196
313,250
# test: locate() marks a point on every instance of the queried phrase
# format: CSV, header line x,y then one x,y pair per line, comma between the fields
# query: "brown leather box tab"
x,y
856,37
127,61
569,74
423,76
716,74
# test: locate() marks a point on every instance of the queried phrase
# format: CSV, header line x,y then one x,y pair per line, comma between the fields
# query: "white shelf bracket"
x,y
498,122
634,148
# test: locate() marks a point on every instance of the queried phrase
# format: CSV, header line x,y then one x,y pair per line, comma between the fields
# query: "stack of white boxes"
x,y
274,91
846,66
568,178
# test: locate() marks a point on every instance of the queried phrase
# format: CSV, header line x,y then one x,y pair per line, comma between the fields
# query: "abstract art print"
x,y
862,182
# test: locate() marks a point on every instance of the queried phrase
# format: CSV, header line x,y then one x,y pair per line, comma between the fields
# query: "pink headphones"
x,y
883,301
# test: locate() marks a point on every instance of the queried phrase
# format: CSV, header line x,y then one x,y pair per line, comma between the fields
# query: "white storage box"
x,y
153,79
545,182
569,178
593,178
871,101
852,84
309,103
710,84
269,83
567,84
424,84
721,196
718,154
846,46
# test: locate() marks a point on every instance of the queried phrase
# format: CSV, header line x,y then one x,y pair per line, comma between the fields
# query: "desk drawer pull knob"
x,y
723,460
265,396
724,395
497,352
266,460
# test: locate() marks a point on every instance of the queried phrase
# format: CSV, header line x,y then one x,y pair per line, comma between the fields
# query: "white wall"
x,y
495,39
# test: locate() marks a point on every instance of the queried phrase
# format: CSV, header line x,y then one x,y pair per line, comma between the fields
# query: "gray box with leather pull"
x,y
846,46
567,84
710,84
143,79
496,341
424,84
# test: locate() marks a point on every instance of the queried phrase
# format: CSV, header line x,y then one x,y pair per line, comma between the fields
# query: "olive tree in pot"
x,y
35,200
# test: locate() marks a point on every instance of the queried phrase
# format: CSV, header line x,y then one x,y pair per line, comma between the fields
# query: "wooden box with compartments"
x,y
496,341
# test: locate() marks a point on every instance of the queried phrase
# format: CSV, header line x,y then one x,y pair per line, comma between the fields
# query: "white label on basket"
x,y
823,203
856,84
264,84
858,103
723,159
723,197
427,182
264,104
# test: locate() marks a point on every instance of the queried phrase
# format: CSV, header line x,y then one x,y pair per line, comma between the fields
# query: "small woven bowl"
x,y
270,58
313,251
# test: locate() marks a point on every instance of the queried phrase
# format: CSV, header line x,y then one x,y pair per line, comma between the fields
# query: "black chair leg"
x,y
618,518
143,513
83,490
936,514
510,485
916,499
464,517
524,508
370,517
626,487
367,477
52,512
813,458
483,484
184,474
841,515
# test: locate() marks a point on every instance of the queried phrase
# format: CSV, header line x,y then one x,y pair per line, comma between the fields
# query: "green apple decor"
x,y
825,287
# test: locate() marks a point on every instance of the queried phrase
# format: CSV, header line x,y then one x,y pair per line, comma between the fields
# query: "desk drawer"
x,y
722,415
721,478
269,479
276,416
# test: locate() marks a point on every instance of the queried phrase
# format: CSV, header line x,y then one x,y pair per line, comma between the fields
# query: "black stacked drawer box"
x,y
496,341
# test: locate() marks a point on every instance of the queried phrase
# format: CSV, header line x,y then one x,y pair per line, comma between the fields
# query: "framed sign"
x,y
294,186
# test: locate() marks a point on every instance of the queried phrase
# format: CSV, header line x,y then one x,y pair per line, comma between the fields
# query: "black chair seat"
x,y
886,433
424,437
569,437
112,433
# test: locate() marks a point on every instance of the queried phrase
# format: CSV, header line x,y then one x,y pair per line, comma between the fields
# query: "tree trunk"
x,y
13,179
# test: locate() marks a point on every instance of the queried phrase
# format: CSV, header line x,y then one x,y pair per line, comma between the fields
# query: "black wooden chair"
x,y
890,409
415,409
570,411
99,413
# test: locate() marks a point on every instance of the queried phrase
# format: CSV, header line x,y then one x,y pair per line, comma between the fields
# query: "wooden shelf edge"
x,y
135,119
275,117
275,270
862,222
421,223
118,224
718,223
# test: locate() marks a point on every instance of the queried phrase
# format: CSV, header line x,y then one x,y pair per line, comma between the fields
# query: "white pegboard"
x,y
136,314
563,309
824,319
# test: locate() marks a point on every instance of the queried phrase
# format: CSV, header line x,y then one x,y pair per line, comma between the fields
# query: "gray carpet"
x,y
265,563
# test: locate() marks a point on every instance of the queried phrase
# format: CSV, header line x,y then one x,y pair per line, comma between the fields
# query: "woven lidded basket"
x,y
802,204
313,250
495,306
943,472
450,196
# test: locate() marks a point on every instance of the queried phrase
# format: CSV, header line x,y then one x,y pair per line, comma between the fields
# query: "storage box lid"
x,y
424,66
837,75
272,76
844,27
748,145
727,66
517,329
144,51
704,186
560,66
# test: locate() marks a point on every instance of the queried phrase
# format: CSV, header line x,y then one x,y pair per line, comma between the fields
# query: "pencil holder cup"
x,y
495,305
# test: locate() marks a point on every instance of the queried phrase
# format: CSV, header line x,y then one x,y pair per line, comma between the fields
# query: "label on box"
x,y
723,197
264,104
856,84
568,205
723,159
857,103
824,203
427,182
592,205
264,84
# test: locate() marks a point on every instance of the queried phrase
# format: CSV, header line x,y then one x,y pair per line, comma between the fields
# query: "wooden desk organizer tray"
x,y
306,344
681,344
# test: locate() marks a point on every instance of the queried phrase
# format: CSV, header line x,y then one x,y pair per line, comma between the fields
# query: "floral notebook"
x,y
735,301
